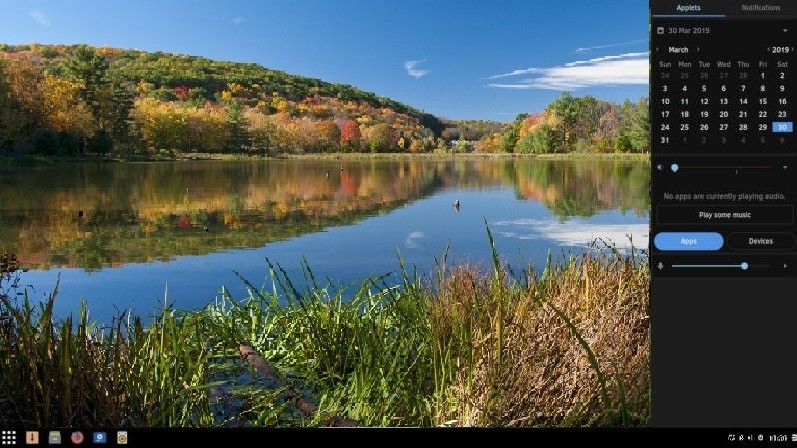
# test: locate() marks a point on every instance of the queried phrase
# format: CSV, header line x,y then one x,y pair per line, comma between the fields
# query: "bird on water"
x,y
456,205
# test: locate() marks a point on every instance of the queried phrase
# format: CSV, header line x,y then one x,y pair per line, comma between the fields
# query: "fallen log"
x,y
305,406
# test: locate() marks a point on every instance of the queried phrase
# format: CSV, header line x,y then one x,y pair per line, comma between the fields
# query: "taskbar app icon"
x,y
77,437
54,438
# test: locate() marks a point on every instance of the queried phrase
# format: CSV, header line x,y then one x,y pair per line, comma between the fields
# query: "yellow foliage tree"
x,y
63,109
143,88
261,130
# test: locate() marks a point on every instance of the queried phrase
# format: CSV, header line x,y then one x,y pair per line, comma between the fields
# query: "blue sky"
x,y
453,58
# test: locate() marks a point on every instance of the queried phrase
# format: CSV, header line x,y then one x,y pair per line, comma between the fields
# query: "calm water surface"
x,y
183,229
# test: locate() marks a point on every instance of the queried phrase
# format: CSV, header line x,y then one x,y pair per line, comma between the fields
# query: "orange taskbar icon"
x,y
31,437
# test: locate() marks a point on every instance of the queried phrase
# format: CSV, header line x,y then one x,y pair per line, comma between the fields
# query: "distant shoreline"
x,y
470,155
35,161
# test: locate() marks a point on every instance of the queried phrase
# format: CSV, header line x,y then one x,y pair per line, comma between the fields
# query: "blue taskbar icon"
x,y
100,437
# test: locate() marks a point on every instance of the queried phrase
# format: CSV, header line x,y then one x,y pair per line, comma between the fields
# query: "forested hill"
x,y
61,99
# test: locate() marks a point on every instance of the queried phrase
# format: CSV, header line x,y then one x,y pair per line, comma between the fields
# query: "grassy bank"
x,y
567,345
34,161
625,156
421,156
31,161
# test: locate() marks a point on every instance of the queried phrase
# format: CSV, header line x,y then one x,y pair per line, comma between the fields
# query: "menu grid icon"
x,y
8,437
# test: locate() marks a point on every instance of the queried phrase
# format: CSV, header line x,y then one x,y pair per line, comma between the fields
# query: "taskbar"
x,y
140,437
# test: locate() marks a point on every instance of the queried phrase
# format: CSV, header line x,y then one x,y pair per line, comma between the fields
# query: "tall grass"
x,y
468,347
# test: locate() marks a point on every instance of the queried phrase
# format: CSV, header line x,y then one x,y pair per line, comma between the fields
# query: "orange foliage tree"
x,y
350,138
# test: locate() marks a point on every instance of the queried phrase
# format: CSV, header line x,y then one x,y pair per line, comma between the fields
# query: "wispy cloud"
x,y
643,54
412,239
622,69
237,20
414,72
40,17
522,71
600,47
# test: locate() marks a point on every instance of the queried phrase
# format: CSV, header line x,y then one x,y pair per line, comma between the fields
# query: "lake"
x,y
123,236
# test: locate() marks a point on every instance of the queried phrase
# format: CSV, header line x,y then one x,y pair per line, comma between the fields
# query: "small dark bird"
x,y
80,213
456,205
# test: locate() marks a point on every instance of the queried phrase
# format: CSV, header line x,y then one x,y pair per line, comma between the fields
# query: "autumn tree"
x,y
350,137
162,125
64,111
9,110
489,143
286,133
23,103
530,124
207,128
328,135
378,137
260,129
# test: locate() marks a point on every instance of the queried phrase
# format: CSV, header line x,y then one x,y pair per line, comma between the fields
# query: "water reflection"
x,y
92,216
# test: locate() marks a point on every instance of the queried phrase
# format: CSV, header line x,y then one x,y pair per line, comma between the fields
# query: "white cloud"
x,y
237,20
523,71
414,72
624,56
576,232
622,69
412,239
598,47
40,17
